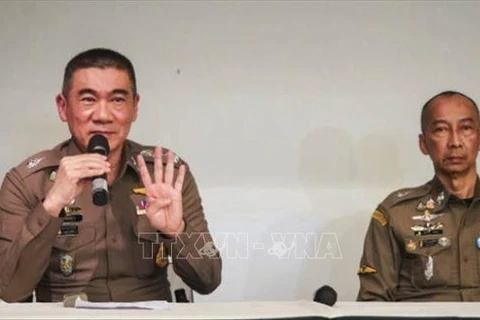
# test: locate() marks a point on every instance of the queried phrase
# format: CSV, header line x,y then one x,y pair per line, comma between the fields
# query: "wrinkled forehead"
x,y
451,108
101,79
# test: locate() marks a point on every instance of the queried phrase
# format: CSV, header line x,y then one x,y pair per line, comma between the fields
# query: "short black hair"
x,y
98,58
449,93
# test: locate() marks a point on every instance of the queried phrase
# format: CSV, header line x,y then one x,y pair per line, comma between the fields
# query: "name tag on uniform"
x,y
429,232
428,243
73,218
68,230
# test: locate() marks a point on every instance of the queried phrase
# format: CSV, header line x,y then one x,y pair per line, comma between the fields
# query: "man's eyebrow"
x,y
466,120
120,91
86,91
93,92
439,121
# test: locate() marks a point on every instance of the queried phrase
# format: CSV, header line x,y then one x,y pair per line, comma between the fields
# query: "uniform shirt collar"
x,y
441,196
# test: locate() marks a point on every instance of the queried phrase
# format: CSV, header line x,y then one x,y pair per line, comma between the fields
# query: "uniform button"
x,y
465,259
114,239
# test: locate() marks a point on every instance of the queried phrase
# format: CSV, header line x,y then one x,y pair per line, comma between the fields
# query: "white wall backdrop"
x,y
296,117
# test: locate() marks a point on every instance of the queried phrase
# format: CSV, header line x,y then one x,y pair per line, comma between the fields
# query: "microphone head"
x,y
100,197
326,295
98,144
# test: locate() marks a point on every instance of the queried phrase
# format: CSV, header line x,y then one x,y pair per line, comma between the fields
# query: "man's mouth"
x,y
455,159
102,132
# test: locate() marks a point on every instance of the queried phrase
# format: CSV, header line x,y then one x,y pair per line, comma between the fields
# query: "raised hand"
x,y
164,195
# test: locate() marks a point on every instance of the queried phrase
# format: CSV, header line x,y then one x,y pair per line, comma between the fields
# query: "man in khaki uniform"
x,y
55,241
423,243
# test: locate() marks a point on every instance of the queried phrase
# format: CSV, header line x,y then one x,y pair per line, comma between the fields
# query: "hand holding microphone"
x,y
73,174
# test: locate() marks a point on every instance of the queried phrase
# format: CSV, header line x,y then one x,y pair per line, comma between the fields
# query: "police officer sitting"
x,y
423,243
55,241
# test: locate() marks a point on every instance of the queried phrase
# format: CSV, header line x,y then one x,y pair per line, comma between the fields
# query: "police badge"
x,y
67,264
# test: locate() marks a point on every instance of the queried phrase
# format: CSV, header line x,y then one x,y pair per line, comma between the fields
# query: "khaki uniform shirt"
x,y
423,245
110,252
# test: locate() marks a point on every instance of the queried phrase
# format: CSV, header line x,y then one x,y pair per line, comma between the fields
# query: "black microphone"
x,y
326,295
181,295
99,144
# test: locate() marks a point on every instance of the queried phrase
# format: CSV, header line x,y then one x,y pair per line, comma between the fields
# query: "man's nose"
x,y
455,140
102,112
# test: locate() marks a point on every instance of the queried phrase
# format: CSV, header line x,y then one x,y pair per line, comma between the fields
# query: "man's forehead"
x,y
101,78
455,106
100,70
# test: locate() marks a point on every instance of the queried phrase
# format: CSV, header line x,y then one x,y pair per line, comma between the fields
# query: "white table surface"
x,y
245,310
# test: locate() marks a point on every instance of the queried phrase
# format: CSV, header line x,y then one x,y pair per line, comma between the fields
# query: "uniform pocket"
x,y
72,254
146,247
430,266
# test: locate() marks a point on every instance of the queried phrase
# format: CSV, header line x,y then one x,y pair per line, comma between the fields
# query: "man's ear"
x,y
423,144
61,107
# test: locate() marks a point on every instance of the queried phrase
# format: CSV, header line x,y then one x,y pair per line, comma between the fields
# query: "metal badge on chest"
x,y
428,231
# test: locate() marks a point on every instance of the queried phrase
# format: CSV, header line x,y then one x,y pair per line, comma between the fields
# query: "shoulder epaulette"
x,y
405,194
39,161
147,153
